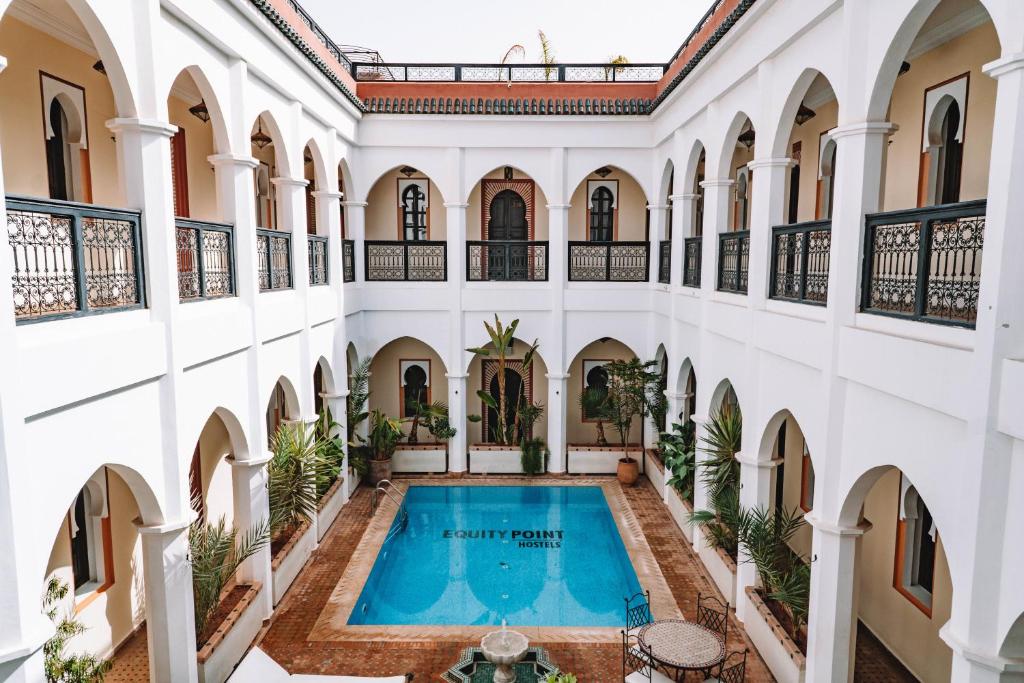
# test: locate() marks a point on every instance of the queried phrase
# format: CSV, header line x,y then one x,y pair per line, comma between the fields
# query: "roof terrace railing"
x,y
513,73
321,35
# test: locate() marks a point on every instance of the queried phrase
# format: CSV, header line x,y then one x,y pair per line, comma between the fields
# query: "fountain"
x,y
504,649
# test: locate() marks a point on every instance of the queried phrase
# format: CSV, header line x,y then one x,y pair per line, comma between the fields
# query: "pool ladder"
x,y
385,487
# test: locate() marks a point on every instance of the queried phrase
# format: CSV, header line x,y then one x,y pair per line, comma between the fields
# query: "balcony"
x,y
206,260
275,259
317,248
608,261
73,259
733,261
406,261
925,264
800,259
691,261
507,261
348,260
665,262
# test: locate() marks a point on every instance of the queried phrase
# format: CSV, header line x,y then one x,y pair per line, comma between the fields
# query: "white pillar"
x,y
683,208
328,209
700,492
337,404
458,447
832,622
717,202
556,411
170,627
768,205
977,665
657,231
252,507
355,225
755,492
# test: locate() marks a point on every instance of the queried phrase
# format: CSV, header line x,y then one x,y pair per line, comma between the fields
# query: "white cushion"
x,y
656,677
314,678
258,667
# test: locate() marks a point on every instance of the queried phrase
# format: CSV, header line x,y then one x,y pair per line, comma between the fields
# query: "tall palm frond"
x,y
295,467
358,395
547,54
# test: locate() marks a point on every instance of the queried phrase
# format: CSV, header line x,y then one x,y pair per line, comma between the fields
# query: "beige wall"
x,y
386,380
809,137
111,616
202,186
909,633
22,135
540,210
214,448
576,430
967,52
474,383
384,216
630,212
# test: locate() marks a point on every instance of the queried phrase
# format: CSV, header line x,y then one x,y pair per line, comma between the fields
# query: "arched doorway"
x,y
508,217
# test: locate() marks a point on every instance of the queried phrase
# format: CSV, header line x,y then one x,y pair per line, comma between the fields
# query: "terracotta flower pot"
x,y
379,469
628,471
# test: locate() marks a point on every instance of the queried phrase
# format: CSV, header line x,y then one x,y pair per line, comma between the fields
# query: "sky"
x,y
484,30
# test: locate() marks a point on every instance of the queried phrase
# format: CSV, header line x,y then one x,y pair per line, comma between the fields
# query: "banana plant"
x,y
501,338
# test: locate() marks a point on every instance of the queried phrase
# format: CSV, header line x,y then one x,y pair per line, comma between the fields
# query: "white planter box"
x,y
290,561
431,459
490,460
330,506
681,512
722,570
781,654
218,658
353,482
596,459
655,472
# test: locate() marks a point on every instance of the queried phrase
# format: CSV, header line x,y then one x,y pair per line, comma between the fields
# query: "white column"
x,y
355,225
700,492
458,447
976,665
170,627
832,622
717,203
755,492
768,205
657,231
328,209
556,412
683,208
337,404
252,507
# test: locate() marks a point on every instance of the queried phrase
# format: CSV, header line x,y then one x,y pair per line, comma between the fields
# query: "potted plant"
x,y
432,416
295,468
627,398
385,433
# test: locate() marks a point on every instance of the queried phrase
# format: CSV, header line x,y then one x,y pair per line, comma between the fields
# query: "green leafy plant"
x,y
295,468
560,678
678,453
332,452
720,474
58,666
358,396
524,414
533,454
216,552
627,397
433,416
592,406
385,433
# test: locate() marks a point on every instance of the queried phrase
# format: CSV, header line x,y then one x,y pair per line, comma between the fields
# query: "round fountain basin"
x,y
504,647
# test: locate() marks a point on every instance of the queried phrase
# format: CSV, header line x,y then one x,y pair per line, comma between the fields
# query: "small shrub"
x,y
58,666
533,455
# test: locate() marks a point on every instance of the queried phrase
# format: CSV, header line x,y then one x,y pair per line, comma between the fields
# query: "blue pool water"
x,y
474,555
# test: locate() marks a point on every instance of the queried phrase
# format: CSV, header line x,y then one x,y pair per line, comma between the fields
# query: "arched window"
x,y
58,154
414,213
951,155
602,215
414,387
917,551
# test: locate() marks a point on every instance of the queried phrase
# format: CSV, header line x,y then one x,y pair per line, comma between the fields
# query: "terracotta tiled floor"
x,y
875,664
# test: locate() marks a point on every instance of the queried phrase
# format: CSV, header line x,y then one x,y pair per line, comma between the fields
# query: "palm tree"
x,y
720,474
295,467
501,346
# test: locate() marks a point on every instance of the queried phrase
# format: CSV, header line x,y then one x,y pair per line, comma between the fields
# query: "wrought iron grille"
x,y
925,264
511,260
608,261
317,247
691,261
73,259
800,258
413,261
275,258
206,260
665,262
523,73
348,260
733,261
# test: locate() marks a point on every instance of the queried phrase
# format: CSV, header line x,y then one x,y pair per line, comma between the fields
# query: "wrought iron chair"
x,y
712,613
638,611
733,668
636,665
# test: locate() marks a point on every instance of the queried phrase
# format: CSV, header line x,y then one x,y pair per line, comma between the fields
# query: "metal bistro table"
x,y
682,645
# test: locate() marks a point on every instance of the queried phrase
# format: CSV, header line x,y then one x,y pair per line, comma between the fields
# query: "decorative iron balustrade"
x,y
691,261
317,247
800,259
401,261
348,260
733,261
608,261
511,260
275,259
925,264
206,259
665,262
504,73
73,259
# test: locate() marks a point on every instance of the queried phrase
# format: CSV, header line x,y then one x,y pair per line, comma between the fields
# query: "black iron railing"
x,y
733,261
73,259
608,261
503,73
206,259
412,261
317,248
511,260
800,257
275,259
665,262
348,260
320,34
691,261
925,264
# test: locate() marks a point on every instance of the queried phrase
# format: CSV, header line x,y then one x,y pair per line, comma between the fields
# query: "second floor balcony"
x,y
408,261
609,261
507,260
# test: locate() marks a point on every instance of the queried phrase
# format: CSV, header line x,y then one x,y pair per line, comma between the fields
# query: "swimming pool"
x,y
474,555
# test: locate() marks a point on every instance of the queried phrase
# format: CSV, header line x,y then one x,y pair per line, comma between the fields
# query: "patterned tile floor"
x,y
286,637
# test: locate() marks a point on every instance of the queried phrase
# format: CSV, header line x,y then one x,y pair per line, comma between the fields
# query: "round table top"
x,y
682,644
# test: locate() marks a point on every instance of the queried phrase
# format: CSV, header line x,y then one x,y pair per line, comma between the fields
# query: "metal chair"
x,y
636,665
733,668
712,613
638,611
